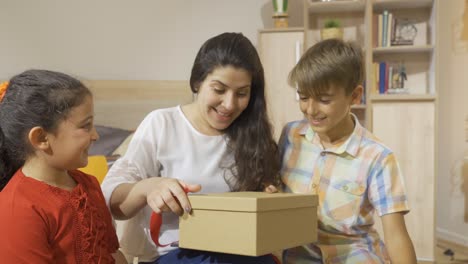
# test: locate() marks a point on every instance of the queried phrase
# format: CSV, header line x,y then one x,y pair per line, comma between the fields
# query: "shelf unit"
x,y
407,123
412,117
404,49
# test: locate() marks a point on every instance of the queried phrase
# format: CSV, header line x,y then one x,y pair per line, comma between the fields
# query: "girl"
x,y
51,213
220,142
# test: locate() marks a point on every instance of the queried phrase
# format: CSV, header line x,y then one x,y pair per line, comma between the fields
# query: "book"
x,y
382,67
380,23
384,27
389,29
375,30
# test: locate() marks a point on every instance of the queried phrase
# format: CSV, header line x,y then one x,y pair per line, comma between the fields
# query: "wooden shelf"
x,y
404,49
402,97
401,4
336,6
289,29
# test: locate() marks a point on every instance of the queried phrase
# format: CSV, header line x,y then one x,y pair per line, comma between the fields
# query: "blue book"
x,y
382,66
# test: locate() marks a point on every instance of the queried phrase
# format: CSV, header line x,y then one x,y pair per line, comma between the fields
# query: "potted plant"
x,y
332,29
280,16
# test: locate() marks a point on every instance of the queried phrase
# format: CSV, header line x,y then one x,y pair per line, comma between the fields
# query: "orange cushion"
x,y
97,166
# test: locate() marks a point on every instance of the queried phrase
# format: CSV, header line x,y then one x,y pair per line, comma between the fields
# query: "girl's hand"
x,y
167,194
271,189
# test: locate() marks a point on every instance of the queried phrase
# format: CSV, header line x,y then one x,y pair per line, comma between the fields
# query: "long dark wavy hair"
x,y
250,136
33,98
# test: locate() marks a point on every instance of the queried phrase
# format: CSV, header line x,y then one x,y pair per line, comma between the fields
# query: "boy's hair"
x,y
328,63
33,98
250,136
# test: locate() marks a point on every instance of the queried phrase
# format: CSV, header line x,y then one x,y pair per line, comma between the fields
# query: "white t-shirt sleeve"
x,y
140,161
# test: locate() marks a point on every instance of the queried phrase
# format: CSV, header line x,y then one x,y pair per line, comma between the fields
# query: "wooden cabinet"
x,y
279,51
408,128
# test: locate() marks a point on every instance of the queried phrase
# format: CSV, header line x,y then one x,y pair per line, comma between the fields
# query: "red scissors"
x,y
155,227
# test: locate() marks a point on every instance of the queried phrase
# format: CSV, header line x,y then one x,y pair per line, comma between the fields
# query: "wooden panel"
x,y
391,4
124,103
278,54
404,49
408,128
343,6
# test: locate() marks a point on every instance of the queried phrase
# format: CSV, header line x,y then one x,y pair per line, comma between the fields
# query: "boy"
x,y
330,154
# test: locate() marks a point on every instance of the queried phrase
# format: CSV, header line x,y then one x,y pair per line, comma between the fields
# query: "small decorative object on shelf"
x,y
280,16
331,29
405,32
397,75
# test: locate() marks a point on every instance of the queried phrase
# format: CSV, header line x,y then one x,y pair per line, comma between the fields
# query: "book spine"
x,y
382,67
379,44
375,30
389,29
384,28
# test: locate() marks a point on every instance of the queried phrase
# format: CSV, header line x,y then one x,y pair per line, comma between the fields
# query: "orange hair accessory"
x,y
3,88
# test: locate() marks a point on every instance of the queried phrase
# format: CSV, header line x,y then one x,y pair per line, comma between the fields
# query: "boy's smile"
x,y
329,113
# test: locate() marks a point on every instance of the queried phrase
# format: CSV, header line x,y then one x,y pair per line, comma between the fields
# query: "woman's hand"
x,y
271,189
167,194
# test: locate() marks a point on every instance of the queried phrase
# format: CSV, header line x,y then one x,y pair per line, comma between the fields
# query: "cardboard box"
x,y
249,223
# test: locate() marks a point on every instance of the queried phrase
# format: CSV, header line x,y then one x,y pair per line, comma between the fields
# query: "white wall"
x,y
122,39
452,195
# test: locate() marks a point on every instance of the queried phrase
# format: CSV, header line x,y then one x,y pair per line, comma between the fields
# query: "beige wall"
x,y
452,196
121,39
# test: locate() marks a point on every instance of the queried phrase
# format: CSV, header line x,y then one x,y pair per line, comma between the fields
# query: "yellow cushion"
x,y
97,166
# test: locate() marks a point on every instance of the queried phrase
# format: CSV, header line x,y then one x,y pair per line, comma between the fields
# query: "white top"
x,y
165,145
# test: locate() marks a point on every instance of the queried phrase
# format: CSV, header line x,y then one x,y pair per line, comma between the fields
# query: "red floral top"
x,y
40,223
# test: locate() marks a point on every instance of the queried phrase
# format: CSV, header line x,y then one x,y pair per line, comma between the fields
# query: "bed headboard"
x,y
124,103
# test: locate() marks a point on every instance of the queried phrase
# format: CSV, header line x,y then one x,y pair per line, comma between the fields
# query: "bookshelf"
x,y
412,117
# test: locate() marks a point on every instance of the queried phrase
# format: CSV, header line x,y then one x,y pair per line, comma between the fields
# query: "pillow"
x,y
109,139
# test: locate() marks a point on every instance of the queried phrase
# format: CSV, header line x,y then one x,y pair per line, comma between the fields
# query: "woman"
x,y
220,142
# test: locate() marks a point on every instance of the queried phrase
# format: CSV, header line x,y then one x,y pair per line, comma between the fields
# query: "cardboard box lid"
x,y
251,201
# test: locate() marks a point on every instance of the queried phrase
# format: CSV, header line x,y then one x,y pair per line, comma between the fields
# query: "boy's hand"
x,y
271,189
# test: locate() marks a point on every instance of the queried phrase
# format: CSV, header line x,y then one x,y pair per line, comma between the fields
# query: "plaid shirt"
x,y
352,181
